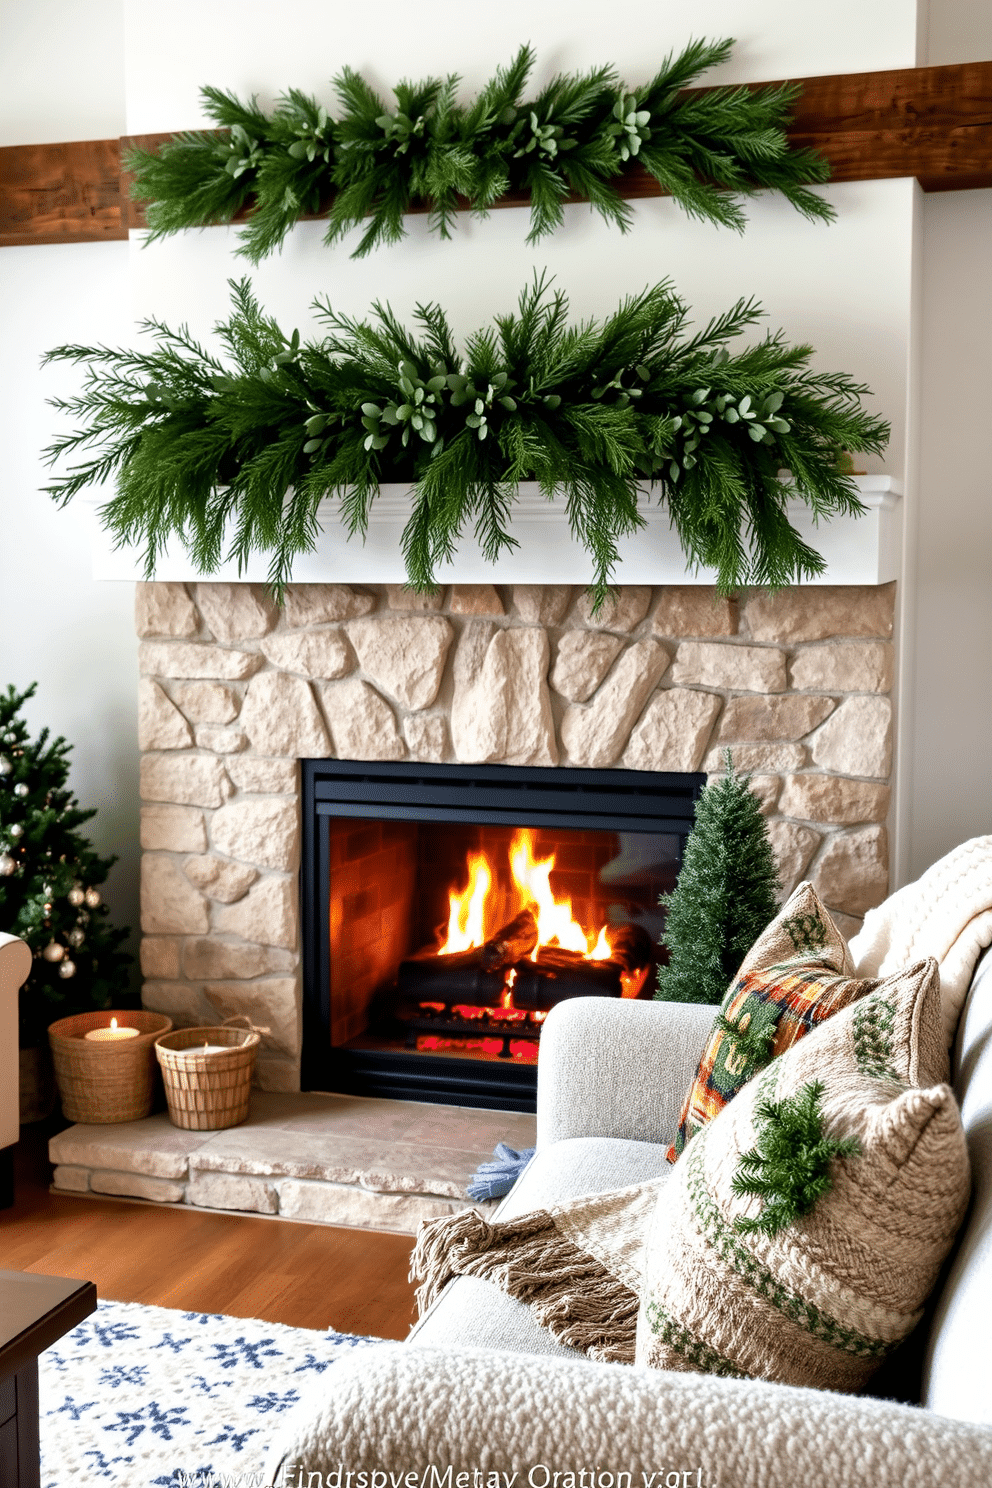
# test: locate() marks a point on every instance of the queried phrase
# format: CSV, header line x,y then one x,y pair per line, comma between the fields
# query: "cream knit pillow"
x,y
738,1282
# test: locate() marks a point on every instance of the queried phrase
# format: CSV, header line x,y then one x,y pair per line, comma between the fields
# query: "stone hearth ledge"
x,y
354,1161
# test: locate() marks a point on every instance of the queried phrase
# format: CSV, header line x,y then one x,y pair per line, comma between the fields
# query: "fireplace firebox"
x,y
447,908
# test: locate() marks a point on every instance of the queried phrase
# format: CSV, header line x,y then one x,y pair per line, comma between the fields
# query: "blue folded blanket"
x,y
492,1180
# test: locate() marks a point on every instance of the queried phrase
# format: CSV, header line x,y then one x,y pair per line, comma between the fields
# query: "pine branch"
x,y
376,160
789,1166
240,449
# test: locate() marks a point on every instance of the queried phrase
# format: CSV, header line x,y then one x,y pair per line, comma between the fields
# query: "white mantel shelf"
x,y
857,550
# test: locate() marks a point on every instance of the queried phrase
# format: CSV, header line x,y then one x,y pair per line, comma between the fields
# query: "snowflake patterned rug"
x,y
145,1397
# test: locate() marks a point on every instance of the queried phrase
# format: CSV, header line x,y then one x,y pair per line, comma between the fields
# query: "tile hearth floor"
x,y
331,1159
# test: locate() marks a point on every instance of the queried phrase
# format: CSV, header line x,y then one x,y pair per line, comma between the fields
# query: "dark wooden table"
x,y
35,1311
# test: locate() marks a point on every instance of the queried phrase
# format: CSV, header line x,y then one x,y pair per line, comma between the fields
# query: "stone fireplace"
x,y
235,692
447,908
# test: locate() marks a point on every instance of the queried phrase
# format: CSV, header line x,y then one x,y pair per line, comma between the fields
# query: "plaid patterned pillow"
x,y
797,973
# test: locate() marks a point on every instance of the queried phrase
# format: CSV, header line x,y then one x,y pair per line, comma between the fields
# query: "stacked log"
x,y
478,977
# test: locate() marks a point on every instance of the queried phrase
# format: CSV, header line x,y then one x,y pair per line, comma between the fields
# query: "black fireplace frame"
x,y
613,800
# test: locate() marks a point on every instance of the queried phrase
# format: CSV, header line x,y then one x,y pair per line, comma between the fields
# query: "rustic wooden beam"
x,y
934,123
65,193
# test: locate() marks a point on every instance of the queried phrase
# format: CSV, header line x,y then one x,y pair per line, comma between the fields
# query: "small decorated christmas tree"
x,y
49,877
724,896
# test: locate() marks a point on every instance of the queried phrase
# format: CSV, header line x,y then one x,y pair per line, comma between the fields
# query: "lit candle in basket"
x,y
112,1035
203,1048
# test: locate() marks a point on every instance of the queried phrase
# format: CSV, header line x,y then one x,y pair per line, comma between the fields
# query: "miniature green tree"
x,y
724,896
49,875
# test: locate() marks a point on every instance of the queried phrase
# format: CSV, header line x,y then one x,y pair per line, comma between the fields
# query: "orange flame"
x,y
466,911
473,912
602,950
554,917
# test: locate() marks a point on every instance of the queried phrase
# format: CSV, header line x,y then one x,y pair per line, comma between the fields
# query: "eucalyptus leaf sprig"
x,y
234,456
375,160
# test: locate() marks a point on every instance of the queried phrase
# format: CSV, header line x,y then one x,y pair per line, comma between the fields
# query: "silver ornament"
x,y
53,951
76,897
6,765
16,831
7,865
92,897
22,790
75,937
67,970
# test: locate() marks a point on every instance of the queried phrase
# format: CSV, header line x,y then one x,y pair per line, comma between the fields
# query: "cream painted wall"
x,y
950,770
249,45
946,786
845,288
61,77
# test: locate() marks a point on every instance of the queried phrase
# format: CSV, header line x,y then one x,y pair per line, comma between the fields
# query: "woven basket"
x,y
208,1091
102,1083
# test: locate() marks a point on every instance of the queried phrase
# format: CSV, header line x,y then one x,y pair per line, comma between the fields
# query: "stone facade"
x,y
234,690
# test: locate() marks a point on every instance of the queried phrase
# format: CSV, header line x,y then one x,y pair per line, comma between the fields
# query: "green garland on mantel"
x,y
707,150
201,448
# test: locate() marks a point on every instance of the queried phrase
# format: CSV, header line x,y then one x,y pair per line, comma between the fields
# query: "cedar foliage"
x,y
45,864
375,161
789,1166
724,896
250,446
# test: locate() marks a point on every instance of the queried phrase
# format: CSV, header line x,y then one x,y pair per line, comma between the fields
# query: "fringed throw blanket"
x,y
579,1266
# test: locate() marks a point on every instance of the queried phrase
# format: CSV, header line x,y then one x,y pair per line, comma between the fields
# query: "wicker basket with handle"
x,y
106,1082
206,1092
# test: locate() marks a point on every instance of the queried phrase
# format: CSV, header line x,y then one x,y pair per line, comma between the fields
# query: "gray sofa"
x,y
481,1387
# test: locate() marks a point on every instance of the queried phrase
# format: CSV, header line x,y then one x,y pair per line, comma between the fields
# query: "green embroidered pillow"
x,y
798,972
799,1236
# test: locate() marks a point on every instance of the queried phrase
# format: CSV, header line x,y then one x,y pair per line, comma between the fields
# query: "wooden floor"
x,y
308,1276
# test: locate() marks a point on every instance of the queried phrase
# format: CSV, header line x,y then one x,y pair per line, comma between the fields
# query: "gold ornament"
x,y
53,951
67,970
75,937
76,896
92,897
7,865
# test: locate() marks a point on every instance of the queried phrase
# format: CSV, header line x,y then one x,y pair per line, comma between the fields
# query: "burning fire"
x,y
473,915
466,912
